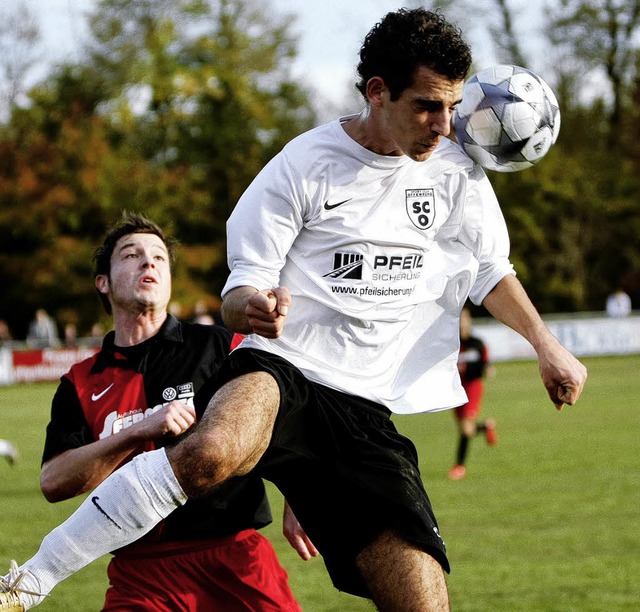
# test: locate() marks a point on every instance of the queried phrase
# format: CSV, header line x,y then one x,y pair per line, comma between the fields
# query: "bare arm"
x,y
79,470
247,310
562,374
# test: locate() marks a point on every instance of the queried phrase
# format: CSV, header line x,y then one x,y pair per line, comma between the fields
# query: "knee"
x,y
401,576
199,465
468,428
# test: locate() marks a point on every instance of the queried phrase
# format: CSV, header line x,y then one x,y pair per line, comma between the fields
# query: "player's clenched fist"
x,y
563,376
266,311
173,419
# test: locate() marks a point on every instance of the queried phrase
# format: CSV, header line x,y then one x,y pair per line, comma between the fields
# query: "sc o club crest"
x,y
421,207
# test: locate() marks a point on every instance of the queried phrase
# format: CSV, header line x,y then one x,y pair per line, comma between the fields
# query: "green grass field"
x,y
548,520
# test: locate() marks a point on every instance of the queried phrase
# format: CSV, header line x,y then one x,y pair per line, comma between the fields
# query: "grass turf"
x,y
545,521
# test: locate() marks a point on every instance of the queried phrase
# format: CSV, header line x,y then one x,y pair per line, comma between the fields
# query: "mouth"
x,y
148,280
425,149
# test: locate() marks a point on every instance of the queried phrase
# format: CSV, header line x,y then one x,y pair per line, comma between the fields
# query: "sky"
x,y
329,32
330,35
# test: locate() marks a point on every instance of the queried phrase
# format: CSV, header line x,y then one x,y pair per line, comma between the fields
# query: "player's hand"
x,y
171,420
296,536
562,374
267,311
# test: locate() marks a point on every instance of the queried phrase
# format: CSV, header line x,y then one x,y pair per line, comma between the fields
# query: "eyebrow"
x,y
128,245
434,102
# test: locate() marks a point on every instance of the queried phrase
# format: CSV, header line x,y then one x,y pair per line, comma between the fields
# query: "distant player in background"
x,y
473,365
138,393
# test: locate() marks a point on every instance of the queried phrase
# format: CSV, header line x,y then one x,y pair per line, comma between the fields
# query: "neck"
x,y
365,130
133,329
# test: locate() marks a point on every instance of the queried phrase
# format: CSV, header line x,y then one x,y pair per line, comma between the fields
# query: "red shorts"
x,y
240,573
475,391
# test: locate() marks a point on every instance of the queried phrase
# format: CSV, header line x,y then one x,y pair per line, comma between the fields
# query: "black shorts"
x,y
344,469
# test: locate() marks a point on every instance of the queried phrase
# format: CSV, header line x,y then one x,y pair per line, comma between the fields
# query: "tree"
x,y
573,218
54,160
492,22
599,39
19,38
219,103
603,37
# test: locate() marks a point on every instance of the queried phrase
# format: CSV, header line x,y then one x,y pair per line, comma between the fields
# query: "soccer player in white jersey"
x,y
351,256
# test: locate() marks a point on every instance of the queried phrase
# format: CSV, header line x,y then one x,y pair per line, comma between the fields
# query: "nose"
x,y
441,123
147,261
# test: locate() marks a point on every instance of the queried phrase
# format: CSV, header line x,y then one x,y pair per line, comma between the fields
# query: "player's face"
x,y
465,324
140,278
417,121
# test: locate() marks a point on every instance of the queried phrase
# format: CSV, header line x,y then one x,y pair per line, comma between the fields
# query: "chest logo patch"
x,y
421,207
96,396
169,394
328,206
346,265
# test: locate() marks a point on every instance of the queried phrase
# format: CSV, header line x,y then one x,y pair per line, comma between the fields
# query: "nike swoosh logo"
x,y
328,206
94,501
95,397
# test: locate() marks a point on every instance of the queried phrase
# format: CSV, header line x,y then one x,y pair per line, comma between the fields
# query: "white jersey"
x,y
379,253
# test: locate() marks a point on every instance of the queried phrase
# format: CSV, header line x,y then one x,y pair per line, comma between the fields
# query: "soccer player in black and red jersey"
x,y
138,393
473,365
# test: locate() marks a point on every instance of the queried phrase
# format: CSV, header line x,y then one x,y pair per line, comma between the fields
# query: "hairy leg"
x,y
227,442
401,577
232,435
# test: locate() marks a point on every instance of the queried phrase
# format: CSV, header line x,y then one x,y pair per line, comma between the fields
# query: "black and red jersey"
x,y
473,358
118,386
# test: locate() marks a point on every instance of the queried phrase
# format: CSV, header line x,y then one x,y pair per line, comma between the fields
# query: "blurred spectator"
x,y
70,335
96,335
175,309
42,331
5,333
201,314
97,331
618,304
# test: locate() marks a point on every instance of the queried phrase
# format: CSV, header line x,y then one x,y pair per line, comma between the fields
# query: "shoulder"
x,y
310,147
450,158
81,370
321,133
196,333
195,353
301,165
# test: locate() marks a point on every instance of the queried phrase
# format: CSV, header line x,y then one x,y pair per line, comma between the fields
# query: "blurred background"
x,y
171,107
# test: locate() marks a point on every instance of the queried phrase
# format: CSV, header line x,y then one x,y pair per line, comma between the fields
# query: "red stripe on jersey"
x,y
111,400
237,339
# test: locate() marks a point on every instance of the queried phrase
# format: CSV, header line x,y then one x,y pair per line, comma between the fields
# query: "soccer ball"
x,y
508,118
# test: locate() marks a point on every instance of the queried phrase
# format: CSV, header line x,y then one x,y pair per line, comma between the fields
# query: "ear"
x,y
377,91
102,284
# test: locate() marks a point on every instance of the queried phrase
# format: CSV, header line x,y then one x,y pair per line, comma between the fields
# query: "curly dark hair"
x,y
406,39
130,223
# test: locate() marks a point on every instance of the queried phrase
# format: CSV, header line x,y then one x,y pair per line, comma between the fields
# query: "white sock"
x,y
119,511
